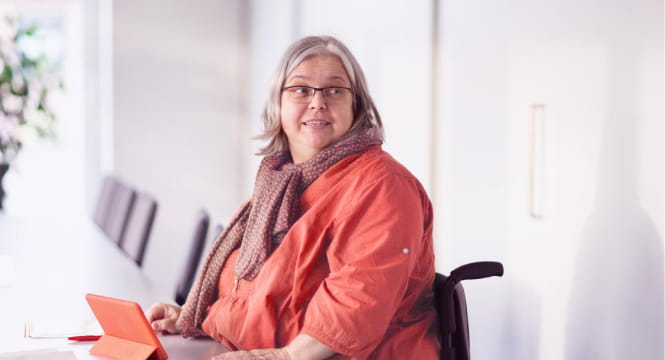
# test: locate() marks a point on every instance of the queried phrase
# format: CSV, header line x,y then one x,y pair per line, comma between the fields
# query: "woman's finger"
x,y
162,317
263,354
155,312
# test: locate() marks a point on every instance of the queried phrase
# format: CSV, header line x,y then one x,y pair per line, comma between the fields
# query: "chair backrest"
x,y
197,243
455,343
215,232
123,200
104,201
138,228
450,304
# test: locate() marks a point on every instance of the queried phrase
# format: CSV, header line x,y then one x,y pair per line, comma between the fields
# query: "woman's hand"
x,y
162,317
263,354
303,347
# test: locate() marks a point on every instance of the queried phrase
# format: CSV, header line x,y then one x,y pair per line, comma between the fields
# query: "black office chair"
x,y
138,229
450,303
214,234
104,200
121,206
196,247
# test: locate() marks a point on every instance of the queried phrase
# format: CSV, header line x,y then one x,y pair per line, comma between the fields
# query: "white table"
x,y
55,263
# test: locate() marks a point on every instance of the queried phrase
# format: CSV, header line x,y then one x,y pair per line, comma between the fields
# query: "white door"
x,y
585,279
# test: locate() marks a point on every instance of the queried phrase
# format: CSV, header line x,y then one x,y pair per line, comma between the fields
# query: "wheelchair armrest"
x,y
477,270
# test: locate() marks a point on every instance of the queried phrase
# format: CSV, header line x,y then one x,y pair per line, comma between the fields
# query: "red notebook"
x,y
127,333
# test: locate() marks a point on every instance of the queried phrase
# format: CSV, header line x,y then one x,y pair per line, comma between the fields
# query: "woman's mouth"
x,y
316,123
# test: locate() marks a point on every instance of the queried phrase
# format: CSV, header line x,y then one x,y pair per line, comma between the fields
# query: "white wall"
x,y
98,110
179,129
585,281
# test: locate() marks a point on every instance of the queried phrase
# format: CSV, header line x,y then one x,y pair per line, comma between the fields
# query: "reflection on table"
x,y
49,265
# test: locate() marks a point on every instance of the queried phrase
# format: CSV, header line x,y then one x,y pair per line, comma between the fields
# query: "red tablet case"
x,y
127,333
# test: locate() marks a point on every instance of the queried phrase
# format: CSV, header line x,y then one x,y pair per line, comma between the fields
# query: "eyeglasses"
x,y
305,94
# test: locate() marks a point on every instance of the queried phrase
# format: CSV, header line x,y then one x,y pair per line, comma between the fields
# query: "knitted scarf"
x,y
259,227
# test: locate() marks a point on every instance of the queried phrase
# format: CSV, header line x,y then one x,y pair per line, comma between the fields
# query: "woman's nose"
x,y
318,101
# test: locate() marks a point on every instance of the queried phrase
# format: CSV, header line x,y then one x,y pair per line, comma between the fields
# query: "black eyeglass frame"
x,y
318,89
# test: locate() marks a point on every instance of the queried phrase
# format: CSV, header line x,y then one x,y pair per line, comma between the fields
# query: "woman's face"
x,y
316,123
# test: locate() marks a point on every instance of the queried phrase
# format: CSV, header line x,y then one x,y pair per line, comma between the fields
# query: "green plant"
x,y
26,84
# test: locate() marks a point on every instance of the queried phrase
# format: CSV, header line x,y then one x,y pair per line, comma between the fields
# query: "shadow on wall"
x,y
522,320
616,305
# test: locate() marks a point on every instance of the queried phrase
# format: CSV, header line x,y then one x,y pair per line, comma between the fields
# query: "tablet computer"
x,y
127,333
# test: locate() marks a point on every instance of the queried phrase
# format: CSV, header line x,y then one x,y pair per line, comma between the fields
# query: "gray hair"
x,y
365,115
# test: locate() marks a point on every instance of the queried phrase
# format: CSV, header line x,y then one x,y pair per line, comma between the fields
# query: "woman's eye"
x,y
301,90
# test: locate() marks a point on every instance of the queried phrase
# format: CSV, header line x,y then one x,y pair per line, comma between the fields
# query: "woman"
x,y
333,254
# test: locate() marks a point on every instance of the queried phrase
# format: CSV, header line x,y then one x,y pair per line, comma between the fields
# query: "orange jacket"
x,y
355,271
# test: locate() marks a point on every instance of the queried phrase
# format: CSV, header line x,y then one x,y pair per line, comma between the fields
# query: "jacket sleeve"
x,y
372,253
